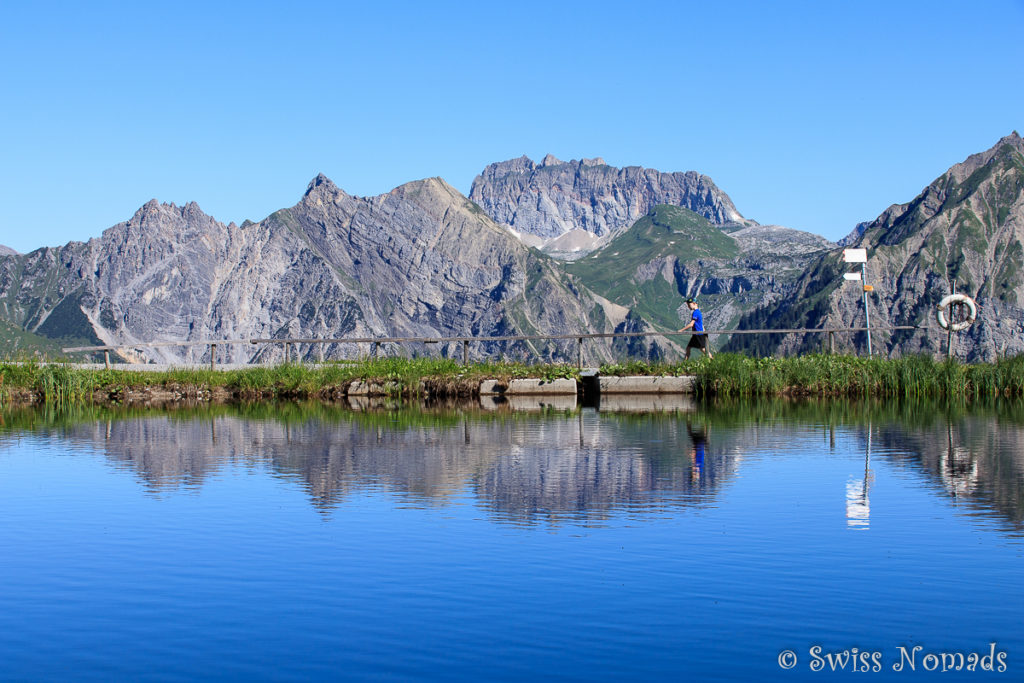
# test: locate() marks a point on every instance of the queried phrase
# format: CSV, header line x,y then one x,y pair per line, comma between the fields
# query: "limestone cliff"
x,y
555,197
421,260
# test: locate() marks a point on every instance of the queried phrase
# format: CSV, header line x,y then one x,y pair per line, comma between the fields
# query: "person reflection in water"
x,y
697,451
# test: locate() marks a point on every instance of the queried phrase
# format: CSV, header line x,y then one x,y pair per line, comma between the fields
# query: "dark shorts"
x,y
698,341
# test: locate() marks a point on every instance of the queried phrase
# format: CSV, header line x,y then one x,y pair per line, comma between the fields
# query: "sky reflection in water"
x,y
291,542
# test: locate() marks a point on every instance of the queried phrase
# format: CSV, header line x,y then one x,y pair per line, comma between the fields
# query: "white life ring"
x,y
972,312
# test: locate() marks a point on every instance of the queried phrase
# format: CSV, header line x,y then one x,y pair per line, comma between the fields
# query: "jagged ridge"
x,y
554,197
421,260
966,228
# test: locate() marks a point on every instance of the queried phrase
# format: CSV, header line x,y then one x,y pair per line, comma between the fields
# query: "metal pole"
x,y
949,332
867,317
287,352
831,341
465,352
320,352
579,353
106,360
213,355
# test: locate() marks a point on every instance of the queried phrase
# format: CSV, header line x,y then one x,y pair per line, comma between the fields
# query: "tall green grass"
x,y
53,383
731,375
726,376
404,377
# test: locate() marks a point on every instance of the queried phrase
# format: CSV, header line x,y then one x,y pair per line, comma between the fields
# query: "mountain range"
x,y
549,248
963,232
566,207
421,260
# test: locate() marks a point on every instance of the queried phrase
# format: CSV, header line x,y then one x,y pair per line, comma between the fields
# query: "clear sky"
x,y
814,115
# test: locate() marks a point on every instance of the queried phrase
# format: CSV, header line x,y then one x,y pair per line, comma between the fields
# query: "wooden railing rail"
x,y
466,340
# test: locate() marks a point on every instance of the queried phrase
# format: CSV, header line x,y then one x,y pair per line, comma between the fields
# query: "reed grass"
x,y
731,375
725,376
60,383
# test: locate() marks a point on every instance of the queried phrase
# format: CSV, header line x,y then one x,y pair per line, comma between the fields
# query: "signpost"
x,y
860,256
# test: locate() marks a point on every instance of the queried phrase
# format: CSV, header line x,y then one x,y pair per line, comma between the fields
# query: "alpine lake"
x,y
644,539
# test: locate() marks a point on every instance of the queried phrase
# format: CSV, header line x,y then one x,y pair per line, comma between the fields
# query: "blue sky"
x,y
814,115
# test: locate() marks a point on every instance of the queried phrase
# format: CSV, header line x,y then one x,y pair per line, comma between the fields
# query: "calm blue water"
x,y
460,545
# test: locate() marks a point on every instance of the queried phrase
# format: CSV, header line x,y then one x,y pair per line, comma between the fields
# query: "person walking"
x,y
699,340
699,437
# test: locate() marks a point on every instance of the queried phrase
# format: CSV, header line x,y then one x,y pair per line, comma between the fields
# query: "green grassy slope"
x,y
16,343
665,232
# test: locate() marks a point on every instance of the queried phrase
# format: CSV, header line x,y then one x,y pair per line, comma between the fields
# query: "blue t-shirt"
x,y
698,321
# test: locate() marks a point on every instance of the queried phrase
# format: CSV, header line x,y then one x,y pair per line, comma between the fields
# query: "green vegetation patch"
x,y
726,376
665,233
65,384
732,375
16,343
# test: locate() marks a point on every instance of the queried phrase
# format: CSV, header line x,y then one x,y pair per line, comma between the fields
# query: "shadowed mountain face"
x,y
966,230
555,197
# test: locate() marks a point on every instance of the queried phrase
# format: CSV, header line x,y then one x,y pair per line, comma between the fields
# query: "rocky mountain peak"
x,y
433,196
149,213
434,185
322,192
7,251
556,197
1006,149
154,212
965,193
322,186
965,230
523,164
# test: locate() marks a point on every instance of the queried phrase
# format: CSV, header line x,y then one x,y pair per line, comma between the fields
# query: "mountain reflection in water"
x,y
976,460
522,469
581,465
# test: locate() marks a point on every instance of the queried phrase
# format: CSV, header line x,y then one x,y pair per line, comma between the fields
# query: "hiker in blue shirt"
x,y
699,340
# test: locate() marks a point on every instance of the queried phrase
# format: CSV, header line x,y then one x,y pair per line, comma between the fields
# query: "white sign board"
x,y
855,255
851,276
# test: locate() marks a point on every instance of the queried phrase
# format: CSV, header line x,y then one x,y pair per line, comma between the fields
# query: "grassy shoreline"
x,y
727,376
